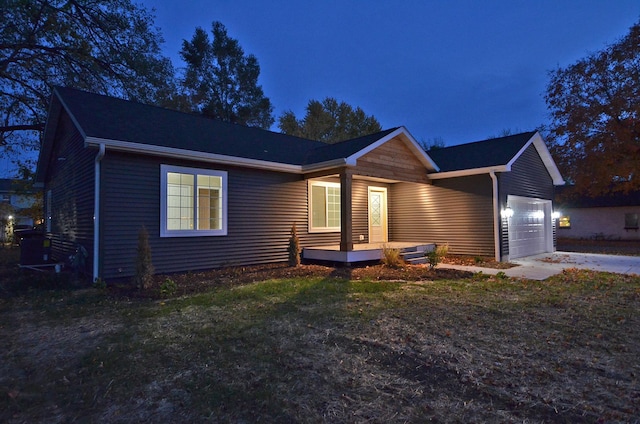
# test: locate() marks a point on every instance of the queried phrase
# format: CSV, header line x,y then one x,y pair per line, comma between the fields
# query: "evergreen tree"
x,y
220,81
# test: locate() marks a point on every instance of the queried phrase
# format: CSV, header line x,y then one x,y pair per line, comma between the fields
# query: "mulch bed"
x,y
200,281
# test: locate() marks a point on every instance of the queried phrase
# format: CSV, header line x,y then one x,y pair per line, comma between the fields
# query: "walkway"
x,y
543,266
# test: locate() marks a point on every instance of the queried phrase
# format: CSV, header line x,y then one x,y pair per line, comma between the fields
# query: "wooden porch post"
x,y
346,239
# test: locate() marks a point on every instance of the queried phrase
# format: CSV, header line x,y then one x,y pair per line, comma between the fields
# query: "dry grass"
x,y
328,349
391,257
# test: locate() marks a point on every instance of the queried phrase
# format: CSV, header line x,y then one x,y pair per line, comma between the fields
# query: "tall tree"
x,y
220,81
104,46
329,121
595,110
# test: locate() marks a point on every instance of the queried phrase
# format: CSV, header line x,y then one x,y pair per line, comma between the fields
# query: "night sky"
x,y
460,71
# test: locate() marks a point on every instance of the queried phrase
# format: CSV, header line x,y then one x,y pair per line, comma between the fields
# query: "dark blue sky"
x,y
458,70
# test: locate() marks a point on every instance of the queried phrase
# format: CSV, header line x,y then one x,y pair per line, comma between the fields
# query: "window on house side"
x,y
324,206
564,221
631,221
193,202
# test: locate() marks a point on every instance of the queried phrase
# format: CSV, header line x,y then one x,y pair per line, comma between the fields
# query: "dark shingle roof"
x,y
480,154
116,119
346,148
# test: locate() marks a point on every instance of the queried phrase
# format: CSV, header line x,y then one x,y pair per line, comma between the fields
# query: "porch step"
x,y
416,254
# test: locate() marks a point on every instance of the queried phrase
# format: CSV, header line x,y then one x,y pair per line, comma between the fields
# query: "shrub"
x,y
294,247
435,256
144,266
168,287
391,257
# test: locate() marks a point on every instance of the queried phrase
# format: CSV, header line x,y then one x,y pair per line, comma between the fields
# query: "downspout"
x,y
96,213
496,216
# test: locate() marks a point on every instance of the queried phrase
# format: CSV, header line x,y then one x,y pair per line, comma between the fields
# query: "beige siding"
x,y
456,211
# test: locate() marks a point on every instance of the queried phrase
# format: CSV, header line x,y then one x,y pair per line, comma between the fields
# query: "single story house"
x,y
213,194
612,216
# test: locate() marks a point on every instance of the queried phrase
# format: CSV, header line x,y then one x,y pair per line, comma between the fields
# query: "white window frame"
x,y
325,184
164,231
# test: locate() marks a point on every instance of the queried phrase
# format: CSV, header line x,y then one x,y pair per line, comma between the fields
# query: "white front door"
x,y
377,215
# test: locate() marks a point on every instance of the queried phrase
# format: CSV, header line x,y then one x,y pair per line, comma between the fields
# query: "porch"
x,y
412,252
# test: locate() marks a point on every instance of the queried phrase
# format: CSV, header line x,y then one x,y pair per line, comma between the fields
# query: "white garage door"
x,y
530,231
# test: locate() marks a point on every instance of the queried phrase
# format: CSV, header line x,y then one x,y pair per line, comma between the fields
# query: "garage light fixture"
x,y
506,213
556,215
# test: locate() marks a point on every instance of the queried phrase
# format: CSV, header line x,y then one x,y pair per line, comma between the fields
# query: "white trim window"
x,y
324,207
193,202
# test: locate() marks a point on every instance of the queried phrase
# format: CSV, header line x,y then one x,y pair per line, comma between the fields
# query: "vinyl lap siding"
x,y
456,211
70,180
262,206
360,211
528,178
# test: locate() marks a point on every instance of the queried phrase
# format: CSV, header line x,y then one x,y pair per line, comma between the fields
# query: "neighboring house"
x,y
13,206
613,216
212,194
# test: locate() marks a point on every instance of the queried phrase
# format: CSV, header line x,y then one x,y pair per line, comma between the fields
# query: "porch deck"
x,y
363,252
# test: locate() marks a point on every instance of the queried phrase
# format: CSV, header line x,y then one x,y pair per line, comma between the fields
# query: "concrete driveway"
x,y
543,266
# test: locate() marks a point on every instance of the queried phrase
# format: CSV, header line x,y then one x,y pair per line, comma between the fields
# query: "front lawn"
x,y
328,349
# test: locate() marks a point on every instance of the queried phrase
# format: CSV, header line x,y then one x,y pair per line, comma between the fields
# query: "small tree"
x,y
144,265
435,256
294,247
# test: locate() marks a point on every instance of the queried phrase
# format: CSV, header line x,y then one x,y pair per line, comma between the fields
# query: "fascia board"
x,y
467,172
544,154
71,115
57,104
148,149
409,141
330,164
548,161
419,152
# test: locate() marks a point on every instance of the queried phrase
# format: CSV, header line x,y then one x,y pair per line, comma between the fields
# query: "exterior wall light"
x,y
506,213
10,217
556,215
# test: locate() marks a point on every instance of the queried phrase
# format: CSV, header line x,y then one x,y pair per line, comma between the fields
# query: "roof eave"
x,y
170,152
468,172
545,156
323,166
